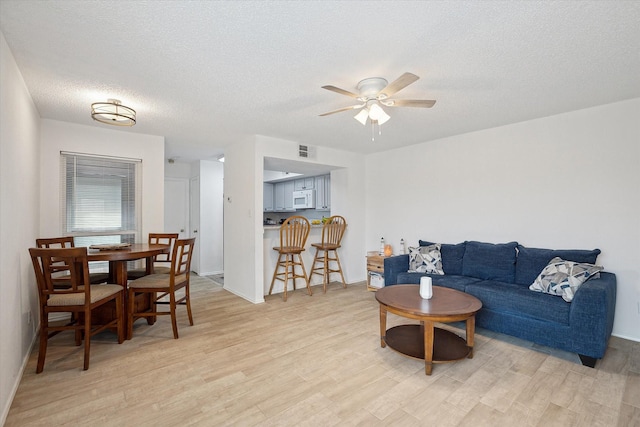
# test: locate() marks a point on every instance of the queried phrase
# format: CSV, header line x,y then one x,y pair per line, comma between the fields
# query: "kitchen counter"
x,y
277,227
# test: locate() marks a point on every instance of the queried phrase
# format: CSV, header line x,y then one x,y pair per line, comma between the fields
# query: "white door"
x,y
195,221
176,206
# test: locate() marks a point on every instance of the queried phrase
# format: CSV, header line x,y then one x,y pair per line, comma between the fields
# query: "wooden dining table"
x,y
118,259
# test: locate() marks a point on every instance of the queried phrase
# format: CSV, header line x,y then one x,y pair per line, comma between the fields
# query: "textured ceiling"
x,y
204,74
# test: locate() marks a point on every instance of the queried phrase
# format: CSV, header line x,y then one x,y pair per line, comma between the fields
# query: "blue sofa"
x,y
499,275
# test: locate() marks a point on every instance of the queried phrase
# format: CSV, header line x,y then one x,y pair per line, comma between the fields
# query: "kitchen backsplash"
x,y
310,214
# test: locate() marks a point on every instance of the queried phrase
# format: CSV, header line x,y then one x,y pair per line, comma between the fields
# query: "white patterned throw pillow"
x,y
563,278
425,259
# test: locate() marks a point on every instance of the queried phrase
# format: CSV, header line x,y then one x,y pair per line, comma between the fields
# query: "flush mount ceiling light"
x,y
113,112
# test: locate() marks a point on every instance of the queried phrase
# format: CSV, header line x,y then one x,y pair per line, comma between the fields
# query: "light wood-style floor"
x,y
315,361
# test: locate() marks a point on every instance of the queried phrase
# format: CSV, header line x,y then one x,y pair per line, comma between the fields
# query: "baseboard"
x,y
245,297
14,389
209,273
624,337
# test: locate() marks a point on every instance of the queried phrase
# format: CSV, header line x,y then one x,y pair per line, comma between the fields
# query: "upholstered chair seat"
x,y
98,292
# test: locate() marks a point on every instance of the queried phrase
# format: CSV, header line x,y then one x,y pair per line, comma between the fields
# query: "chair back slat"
x,y
72,261
55,242
163,239
333,230
294,232
181,256
59,277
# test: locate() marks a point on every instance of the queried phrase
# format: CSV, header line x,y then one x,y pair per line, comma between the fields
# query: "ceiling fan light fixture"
x,y
371,87
384,118
113,112
375,93
376,113
362,116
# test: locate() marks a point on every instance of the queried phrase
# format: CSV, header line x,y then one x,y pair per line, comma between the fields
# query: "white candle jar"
x,y
426,288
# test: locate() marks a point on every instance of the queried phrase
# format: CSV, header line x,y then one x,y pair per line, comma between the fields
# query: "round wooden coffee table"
x,y
425,341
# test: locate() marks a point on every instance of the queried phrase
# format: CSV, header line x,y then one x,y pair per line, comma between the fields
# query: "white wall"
x,y
242,268
210,234
348,199
566,181
177,170
19,210
243,228
61,136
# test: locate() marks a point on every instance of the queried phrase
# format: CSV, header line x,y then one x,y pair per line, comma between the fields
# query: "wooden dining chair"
x,y
68,242
163,259
327,250
293,237
161,285
79,299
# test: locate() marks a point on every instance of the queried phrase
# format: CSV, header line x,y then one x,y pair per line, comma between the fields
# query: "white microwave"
x,y
304,199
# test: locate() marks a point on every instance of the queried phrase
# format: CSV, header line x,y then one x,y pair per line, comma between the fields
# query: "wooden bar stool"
x,y
293,236
332,232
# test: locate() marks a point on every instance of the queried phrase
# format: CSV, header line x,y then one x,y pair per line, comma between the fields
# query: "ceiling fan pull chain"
x,y
373,131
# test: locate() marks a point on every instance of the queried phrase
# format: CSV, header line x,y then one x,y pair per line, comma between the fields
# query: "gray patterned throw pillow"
x,y
563,278
425,259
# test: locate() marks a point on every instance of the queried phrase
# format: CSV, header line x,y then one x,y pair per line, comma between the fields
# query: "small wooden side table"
x,y
375,263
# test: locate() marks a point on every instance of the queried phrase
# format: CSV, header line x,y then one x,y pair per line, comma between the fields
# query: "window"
x,y
100,199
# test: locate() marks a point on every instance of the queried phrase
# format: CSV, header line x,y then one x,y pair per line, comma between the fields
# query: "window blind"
x,y
100,199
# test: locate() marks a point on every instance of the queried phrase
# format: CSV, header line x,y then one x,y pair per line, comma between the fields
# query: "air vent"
x,y
306,152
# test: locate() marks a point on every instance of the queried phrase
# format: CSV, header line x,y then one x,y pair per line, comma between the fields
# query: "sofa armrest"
x,y
393,266
593,310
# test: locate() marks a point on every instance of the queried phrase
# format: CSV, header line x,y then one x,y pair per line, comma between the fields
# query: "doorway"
x,y
176,206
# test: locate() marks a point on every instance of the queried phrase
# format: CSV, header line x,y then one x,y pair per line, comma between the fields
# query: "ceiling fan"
x,y
376,91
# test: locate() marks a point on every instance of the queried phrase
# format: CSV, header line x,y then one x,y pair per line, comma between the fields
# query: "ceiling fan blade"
x,y
353,107
340,91
424,103
398,84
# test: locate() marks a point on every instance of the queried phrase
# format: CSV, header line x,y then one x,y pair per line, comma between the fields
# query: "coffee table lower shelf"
x,y
409,341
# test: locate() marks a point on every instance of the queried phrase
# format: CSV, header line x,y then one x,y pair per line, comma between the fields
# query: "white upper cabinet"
x,y
288,195
283,196
278,190
323,192
267,197
304,184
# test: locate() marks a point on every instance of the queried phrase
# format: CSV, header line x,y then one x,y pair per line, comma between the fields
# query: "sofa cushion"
x,y
451,256
490,261
513,299
425,259
531,261
563,278
458,283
